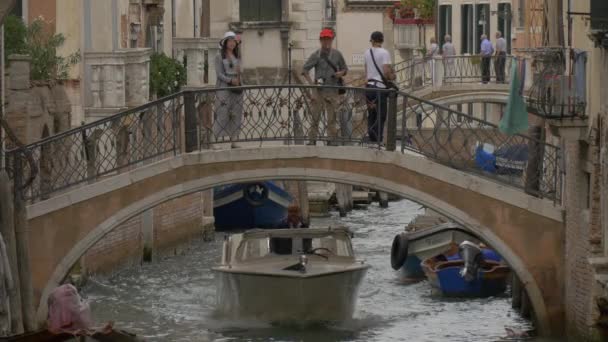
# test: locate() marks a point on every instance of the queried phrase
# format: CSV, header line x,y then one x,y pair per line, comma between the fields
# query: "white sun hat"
x,y
228,35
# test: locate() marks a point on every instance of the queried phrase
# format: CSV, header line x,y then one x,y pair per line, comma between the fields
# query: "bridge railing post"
x,y
190,122
438,72
391,122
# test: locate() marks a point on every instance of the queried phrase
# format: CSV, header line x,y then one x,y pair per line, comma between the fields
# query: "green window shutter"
x,y
270,10
249,10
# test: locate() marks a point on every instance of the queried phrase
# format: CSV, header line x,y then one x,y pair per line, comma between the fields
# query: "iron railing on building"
x,y
270,115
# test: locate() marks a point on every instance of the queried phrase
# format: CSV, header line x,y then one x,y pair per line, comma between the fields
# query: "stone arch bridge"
x,y
91,179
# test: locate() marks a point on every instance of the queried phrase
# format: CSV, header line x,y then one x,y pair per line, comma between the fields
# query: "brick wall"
x,y
578,272
173,222
123,245
178,220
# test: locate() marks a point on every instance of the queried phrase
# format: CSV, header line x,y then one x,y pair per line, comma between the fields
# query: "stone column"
x,y
438,72
578,274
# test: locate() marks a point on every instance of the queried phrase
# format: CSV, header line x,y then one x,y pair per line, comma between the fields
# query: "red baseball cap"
x,y
327,33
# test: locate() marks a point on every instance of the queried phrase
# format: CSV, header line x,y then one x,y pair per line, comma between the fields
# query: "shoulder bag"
x,y
340,80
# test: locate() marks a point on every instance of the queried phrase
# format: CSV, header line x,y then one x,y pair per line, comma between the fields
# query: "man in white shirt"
x,y
448,52
501,57
378,71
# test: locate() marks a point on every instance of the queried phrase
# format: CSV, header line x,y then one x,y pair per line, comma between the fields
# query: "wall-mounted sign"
x,y
358,59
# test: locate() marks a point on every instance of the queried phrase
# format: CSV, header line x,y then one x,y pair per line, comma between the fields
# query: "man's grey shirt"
x,y
501,45
322,68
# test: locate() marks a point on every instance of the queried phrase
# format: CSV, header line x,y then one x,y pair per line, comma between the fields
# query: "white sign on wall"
x,y
358,59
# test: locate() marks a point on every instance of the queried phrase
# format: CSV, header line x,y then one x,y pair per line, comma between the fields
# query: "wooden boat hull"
x,y
444,277
326,297
45,336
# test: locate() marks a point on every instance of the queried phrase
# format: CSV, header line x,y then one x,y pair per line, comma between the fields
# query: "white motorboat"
x,y
308,274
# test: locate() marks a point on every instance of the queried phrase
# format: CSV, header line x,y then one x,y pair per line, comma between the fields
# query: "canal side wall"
x,y
161,231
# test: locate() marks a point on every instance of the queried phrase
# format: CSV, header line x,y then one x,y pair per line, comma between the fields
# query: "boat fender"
x,y
399,251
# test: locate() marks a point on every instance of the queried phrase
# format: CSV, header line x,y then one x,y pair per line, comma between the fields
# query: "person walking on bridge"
x,y
501,57
329,67
486,55
379,72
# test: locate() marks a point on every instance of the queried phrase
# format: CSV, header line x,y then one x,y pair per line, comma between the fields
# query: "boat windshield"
x,y
331,245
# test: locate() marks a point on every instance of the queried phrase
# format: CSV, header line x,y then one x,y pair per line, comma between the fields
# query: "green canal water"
x,y
174,299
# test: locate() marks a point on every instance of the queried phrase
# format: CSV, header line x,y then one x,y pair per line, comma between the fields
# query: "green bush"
x,y
34,40
15,34
167,75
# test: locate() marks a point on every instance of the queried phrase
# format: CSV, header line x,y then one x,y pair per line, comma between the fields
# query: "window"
x,y
445,22
260,10
408,36
599,15
504,23
468,41
483,24
18,9
522,14
475,22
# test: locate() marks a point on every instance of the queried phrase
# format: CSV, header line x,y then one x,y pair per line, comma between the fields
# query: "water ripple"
x,y
174,299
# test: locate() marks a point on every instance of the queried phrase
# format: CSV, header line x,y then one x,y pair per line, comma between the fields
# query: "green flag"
x,y
515,118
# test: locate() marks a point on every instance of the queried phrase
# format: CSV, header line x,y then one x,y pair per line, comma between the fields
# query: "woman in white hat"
x,y
228,103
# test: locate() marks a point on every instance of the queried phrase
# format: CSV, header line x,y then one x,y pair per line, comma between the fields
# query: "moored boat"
x,y
250,205
471,272
289,275
46,336
422,242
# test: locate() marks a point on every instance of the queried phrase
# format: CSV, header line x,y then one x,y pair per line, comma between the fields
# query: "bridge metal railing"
x,y
474,145
420,73
214,118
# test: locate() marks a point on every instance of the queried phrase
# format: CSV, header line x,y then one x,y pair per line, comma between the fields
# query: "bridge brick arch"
x,y
516,224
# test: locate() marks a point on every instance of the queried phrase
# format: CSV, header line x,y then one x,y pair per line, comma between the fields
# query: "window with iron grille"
x,y
260,10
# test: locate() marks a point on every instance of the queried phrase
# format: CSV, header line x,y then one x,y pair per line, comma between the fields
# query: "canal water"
x,y
174,299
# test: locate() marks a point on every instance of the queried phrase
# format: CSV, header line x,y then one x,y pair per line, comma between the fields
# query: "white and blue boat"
x,y
471,272
250,205
410,248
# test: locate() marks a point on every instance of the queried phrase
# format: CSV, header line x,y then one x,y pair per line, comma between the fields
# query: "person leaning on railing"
x,y
379,71
448,52
486,55
228,103
501,57
329,67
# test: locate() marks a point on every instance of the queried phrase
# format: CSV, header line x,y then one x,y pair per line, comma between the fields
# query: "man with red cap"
x,y
329,67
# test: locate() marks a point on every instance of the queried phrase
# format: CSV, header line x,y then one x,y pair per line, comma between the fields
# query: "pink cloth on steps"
x,y
68,312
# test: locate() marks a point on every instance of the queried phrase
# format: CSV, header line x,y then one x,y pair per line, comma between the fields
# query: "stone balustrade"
x,y
199,54
116,80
